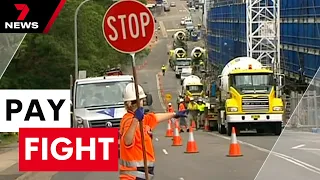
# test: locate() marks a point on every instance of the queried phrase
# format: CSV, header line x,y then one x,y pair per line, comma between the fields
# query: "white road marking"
x,y
156,139
165,151
159,93
184,7
181,178
163,29
299,146
282,156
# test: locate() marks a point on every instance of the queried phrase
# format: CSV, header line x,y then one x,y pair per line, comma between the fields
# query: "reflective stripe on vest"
x,y
135,163
137,174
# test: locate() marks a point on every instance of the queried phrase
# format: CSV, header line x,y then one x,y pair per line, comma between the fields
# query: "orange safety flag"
x,y
131,157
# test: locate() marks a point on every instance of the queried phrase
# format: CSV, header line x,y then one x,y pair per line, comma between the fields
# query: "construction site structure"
x,y
254,28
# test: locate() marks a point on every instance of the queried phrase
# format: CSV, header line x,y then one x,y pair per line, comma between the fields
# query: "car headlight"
x,y
79,120
278,108
232,109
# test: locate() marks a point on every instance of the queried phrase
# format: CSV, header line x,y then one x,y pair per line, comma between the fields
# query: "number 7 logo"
x,y
24,11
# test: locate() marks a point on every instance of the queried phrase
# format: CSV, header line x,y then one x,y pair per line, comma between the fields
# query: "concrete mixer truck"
x,y
247,98
180,40
174,54
192,87
198,55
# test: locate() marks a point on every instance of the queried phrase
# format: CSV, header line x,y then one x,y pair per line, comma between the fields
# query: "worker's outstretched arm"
x,y
164,116
129,135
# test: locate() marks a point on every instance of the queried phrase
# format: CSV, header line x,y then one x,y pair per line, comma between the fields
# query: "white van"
x,y
185,72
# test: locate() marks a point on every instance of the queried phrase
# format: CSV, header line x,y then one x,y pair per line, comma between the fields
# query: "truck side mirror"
x,y
149,100
168,53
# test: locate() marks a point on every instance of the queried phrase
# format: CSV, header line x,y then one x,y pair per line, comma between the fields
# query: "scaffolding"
x,y
263,34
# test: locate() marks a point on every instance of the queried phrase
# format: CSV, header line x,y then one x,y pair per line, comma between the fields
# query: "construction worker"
x,y
182,119
193,111
163,68
171,110
201,63
131,155
201,107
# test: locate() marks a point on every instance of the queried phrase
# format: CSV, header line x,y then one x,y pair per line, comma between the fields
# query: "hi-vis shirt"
x,y
201,107
193,106
131,158
163,68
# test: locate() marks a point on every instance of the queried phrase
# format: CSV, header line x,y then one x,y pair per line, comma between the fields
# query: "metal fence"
x,y
304,111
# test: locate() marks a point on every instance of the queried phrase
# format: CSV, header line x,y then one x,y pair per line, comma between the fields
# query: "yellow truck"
x,y
247,98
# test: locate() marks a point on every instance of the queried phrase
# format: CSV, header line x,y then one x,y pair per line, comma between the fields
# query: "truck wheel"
x,y
229,129
277,129
221,129
177,76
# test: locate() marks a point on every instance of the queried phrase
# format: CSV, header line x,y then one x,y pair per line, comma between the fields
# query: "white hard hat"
x,y
181,100
129,93
199,99
169,104
191,98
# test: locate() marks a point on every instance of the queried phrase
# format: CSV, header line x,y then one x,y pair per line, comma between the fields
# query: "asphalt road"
x,y
296,154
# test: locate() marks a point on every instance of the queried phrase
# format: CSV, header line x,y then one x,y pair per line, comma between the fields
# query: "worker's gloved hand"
x,y
181,114
139,114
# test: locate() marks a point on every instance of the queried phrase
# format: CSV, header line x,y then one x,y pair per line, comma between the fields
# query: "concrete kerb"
x,y
160,90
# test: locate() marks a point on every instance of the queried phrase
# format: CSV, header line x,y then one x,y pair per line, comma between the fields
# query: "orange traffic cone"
x,y
175,124
191,146
234,150
193,124
206,125
177,141
169,130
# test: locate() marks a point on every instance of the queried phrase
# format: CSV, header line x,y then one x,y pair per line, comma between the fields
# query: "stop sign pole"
x,y
128,27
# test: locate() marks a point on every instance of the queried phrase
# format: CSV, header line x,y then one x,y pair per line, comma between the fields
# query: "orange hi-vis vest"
x,y
131,157
181,107
170,109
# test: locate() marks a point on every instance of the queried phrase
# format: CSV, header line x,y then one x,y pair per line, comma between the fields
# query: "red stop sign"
x,y
128,26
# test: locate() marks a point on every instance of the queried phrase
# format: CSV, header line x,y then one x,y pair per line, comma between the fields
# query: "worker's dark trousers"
x,y
201,119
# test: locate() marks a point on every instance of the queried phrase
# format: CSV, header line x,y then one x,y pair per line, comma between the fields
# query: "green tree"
x,y
46,61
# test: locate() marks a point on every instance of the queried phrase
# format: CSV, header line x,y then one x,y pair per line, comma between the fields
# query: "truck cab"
x,y
248,96
192,87
181,63
97,102
185,72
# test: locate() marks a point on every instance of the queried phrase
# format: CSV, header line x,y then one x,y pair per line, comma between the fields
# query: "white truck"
x,y
97,102
185,72
192,87
181,63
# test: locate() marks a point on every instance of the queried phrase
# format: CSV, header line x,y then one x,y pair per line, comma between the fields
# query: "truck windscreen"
x,y
195,88
252,83
183,63
100,94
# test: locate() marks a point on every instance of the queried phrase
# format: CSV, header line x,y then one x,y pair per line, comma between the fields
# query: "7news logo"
x,y
29,16
21,23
